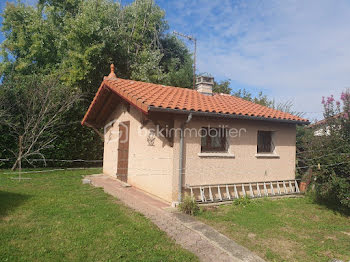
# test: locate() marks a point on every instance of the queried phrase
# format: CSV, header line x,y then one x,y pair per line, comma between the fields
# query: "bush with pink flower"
x,y
329,155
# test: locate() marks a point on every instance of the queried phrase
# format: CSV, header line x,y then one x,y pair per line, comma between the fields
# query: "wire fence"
x,y
46,170
153,166
141,165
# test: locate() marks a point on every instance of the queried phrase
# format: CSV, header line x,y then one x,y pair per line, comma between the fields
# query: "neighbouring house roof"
x,y
149,97
324,121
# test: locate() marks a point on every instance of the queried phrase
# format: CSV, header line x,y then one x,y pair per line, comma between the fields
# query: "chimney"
x,y
205,84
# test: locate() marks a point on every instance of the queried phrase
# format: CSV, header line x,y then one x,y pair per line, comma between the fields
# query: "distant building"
x,y
321,128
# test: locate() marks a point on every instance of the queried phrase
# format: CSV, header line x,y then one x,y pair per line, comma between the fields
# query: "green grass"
x,y
293,229
53,217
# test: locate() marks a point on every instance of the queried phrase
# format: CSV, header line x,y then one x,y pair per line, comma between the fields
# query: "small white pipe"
x,y
181,156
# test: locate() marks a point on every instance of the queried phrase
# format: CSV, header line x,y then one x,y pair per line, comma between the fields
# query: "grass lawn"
x,y
293,229
53,217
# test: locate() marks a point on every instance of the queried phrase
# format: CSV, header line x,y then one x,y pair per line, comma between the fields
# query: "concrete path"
x,y
197,237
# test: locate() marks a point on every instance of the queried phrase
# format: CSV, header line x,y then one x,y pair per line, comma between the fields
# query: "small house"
x,y
171,141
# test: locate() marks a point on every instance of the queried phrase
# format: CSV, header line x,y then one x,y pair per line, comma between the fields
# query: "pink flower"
x,y
323,102
345,96
337,103
342,96
330,99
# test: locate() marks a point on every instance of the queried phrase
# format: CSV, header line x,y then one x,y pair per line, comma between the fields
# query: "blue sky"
x,y
290,50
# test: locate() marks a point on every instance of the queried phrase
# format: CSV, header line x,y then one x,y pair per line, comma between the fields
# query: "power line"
x,y
319,165
320,150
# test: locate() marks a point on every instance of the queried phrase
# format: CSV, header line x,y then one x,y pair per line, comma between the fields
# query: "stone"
x,y
86,181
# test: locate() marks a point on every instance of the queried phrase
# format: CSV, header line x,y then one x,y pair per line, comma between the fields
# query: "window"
x,y
213,139
265,144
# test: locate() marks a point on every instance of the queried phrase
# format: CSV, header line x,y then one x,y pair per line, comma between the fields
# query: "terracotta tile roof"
x,y
147,96
324,121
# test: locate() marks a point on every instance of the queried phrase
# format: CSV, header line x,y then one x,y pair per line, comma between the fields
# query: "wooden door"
x,y
123,151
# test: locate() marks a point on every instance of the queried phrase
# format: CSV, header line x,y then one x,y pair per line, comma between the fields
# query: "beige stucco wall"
x,y
155,168
245,166
241,163
150,167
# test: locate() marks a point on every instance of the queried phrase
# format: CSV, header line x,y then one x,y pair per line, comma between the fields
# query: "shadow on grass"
x,y
336,208
10,201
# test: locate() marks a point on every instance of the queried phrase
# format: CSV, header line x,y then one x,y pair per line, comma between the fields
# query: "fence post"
x,y
20,156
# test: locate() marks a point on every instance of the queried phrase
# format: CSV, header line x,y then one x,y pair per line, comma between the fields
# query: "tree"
x,y
260,99
176,62
81,38
222,87
31,108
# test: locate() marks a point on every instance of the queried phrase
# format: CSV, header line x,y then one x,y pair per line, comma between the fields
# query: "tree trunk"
x,y
19,158
15,165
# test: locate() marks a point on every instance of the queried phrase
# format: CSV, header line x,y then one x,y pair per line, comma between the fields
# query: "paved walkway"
x,y
195,236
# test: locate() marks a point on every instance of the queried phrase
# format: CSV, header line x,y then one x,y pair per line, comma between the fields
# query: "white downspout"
x,y
181,156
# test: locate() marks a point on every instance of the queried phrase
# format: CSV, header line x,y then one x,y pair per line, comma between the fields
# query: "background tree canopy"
x,y
77,40
81,38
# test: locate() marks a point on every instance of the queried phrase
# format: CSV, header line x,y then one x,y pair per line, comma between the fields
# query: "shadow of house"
x,y
9,201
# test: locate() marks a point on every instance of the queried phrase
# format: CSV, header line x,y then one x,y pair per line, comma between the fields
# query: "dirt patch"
x,y
6,218
331,237
251,235
346,233
285,248
210,208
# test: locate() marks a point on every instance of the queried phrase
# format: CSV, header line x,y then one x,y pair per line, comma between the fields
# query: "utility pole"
x,y
191,38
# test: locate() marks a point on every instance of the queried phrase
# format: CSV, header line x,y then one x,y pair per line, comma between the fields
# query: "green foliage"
x,y
261,99
222,87
78,39
333,188
328,155
82,38
144,70
189,206
176,62
242,201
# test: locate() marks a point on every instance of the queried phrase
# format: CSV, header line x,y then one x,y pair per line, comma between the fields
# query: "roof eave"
x,y
231,116
84,121
104,85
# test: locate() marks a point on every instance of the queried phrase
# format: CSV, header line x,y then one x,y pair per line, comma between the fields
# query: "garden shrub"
x,y
242,201
328,155
189,206
333,188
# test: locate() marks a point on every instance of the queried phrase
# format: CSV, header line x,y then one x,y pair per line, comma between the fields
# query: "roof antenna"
x,y
191,38
112,74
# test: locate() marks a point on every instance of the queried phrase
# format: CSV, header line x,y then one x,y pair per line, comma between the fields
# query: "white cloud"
x,y
295,49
